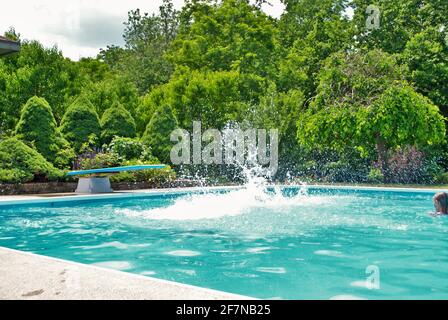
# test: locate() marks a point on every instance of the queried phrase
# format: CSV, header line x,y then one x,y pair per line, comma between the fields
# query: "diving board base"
x,y
94,185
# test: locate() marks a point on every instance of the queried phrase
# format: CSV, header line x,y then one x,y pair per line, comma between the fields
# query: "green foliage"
x,y
117,121
360,106
401,117
130,149
442,178
214,98
312,31
36,71
399,22
110,90
347,84
158,131
355,78
147,38
342,170
148,105
80,122
426,55
410,165
94,69
14,175
20,163
231,35
345,99
100,160
37,127
375,176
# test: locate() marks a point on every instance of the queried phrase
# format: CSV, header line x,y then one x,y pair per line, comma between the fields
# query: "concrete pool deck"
x,y
26,275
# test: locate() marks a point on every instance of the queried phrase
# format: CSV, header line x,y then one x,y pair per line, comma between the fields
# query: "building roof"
x,y
8,46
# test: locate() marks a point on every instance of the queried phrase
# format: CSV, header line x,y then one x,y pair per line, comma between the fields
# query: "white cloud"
x,y
80,27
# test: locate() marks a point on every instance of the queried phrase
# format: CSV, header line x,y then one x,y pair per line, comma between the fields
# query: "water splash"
x,y
259,209
216,205
255,193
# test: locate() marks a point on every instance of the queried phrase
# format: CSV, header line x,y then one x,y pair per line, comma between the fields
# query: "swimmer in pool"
x,y
441,203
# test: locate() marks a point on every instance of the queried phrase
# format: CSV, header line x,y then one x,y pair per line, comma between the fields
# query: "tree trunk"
x,y
382,156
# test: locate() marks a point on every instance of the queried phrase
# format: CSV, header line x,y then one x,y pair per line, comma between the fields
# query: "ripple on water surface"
x,y
293,245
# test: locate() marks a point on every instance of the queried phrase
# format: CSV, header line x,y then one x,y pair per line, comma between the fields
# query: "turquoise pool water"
x,y
288,244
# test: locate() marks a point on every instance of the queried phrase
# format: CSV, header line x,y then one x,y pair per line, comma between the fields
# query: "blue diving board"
x,y
116,169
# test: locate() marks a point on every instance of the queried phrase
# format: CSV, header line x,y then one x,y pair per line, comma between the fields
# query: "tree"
x,y
158,131
37,127
311,31
399,22
426,55
147,40
363,105
281,110
94,69
36,71
80,123
117,121
128,149
103,94
225,36
20,163
301,17
400,117
148,105
212,97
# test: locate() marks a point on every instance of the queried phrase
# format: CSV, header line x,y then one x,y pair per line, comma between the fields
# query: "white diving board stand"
x,y
98,181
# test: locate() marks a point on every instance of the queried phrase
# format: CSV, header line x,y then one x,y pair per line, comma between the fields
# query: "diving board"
x,y
113,170
97,183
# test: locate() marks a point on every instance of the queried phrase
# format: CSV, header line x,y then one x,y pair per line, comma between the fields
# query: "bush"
x,y
117,121
130,149
80,122
21,163
375,176
14,176
409,165
344,171
158,131
100,160
442,178
37,127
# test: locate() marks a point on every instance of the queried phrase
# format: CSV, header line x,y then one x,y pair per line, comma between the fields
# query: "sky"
x,y
81,27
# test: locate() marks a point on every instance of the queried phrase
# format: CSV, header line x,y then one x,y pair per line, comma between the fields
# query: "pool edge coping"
x,y
42,199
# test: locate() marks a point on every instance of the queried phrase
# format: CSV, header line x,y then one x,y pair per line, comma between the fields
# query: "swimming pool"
x,y
286,243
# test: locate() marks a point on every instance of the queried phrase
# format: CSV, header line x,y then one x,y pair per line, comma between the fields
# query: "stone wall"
x,y
37,188
64,187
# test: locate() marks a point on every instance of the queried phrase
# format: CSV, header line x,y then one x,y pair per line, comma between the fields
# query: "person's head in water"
x,y
441,202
